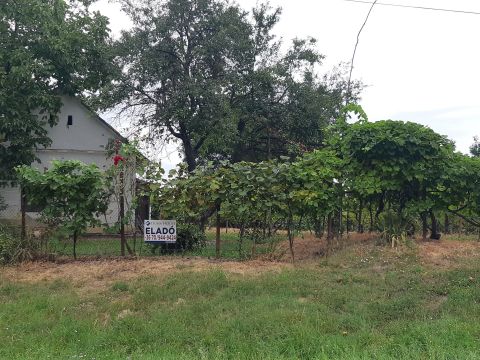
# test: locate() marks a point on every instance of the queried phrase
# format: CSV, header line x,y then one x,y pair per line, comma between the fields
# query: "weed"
x,y
120,286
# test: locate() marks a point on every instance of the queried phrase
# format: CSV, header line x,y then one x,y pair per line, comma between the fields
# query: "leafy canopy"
x,y
213,77
72,194
245,191
49,47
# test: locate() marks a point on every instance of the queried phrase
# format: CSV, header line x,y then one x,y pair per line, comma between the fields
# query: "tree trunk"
x,y
347,222
290,237
217,235
447,224
330,234
23,209
122,213
75,234
424,226
360,211
435,235
240,239
381,206
370,210
189,153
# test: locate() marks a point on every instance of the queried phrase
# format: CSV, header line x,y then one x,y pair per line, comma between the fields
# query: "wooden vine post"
x,y
23,209
116,160
217,235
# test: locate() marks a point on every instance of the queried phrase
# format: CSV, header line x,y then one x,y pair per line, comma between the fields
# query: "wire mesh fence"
x,y
104,241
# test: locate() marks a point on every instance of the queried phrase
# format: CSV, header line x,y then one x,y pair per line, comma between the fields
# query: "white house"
x,y
79,135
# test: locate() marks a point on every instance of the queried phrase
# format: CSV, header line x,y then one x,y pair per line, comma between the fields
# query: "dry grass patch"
x,y
309,247
447,253
101,274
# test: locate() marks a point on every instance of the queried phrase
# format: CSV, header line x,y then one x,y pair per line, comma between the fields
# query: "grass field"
x,y
364,302
111,247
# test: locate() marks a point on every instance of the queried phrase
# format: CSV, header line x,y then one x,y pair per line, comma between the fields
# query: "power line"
x,y
356,45
417,7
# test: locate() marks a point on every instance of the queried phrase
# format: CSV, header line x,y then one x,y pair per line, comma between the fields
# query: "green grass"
x,y
86,247
111,247
372,304
230,247
461,237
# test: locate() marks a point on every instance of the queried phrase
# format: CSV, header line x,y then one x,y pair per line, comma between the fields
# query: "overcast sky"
x,y
419,65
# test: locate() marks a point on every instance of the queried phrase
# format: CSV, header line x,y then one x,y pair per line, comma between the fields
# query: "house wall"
x,y
11,195
86,132
85,140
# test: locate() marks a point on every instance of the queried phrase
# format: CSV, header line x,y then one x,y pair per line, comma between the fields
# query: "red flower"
x,y
117,159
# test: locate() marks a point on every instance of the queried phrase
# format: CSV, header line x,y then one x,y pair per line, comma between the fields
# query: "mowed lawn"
x,y
364,302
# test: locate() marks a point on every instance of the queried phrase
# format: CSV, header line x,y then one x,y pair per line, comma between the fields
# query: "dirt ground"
x,y
308,247
98,274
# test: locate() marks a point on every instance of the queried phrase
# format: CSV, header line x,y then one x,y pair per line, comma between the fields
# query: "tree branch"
x,y
470,221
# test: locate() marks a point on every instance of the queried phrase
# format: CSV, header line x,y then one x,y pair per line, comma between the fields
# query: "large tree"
x,y
213,76
48,47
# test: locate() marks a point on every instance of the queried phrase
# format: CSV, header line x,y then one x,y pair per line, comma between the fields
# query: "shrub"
x,y
71,193
13,249
394,228
189,237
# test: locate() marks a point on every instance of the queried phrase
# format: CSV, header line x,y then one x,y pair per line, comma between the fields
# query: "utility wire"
x,y
417,7
355,49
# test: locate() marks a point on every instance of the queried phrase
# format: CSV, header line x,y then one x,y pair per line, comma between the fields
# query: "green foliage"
x,y
395,156
12,248
120,286
213,76
261,196
475,148
391,226
73,195
48,48
461,192
190,237
7,245
402,165
399,172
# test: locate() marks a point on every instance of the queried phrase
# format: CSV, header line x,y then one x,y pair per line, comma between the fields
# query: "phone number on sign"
x,y
161,237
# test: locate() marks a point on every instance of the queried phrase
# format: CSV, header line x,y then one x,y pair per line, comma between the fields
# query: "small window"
x,y
70,120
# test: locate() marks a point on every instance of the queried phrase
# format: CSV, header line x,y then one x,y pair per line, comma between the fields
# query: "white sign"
x,y
164,231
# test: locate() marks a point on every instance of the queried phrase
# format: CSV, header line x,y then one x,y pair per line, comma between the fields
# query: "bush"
x,y
12,248
394,229
189,237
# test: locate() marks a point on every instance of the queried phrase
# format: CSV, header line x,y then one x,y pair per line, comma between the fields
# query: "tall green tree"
x,y
48,47
213,76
